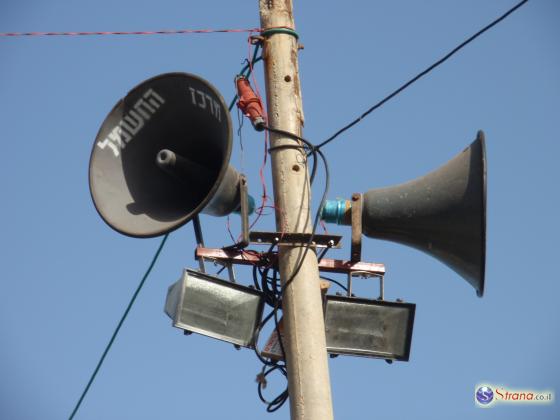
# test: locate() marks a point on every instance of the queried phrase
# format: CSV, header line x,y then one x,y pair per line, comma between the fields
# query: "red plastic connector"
x,y
249,103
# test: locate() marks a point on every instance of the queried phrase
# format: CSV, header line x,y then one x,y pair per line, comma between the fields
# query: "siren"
x,y
442,213
161,157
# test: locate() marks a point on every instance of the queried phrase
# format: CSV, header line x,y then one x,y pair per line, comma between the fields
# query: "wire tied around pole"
x,y
280,30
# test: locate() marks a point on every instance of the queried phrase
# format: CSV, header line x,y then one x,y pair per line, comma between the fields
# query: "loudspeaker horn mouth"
x,y
161,155
442,213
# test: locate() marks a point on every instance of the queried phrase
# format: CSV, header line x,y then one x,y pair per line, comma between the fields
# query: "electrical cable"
x,y
264,196
314,151
309,145
161,32
240,121
123,318
274,297
246,71
308,246
279,401
421,74
248,68
256,335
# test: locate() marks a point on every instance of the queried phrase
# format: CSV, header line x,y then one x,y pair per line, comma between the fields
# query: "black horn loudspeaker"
x,y
162,156
442,213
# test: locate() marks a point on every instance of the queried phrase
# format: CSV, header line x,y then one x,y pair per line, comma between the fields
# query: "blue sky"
x,y
67,277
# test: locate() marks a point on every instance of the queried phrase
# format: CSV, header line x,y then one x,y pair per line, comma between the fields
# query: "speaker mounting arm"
x,y
244,195
356,215
244,211
199,241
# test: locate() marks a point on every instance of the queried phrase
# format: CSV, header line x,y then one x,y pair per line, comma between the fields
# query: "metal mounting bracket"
x,y
356,214
250,257
295,239
244,213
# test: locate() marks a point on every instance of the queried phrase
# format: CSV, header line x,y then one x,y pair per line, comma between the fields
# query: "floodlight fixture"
x,y
210,306
369,328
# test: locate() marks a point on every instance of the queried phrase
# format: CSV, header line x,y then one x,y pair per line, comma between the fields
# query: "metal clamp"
x,y
366,274
244,213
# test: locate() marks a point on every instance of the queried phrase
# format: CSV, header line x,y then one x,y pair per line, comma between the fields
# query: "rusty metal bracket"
x,y
251,257
366,274
356,245
199,241
295,239
244,213
244,197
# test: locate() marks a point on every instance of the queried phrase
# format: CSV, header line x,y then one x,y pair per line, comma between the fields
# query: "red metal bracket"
x,y
249,257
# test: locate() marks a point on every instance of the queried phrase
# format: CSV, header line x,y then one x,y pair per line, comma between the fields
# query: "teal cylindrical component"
x,y
252,205
334,210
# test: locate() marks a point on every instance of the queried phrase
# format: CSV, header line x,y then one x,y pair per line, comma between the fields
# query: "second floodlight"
x,y
370,328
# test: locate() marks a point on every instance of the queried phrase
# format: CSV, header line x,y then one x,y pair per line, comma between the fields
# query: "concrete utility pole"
x,y
304,328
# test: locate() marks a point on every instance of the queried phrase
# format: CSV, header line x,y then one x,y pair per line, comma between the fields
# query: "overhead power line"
x,y
421,74
161,32
271,30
